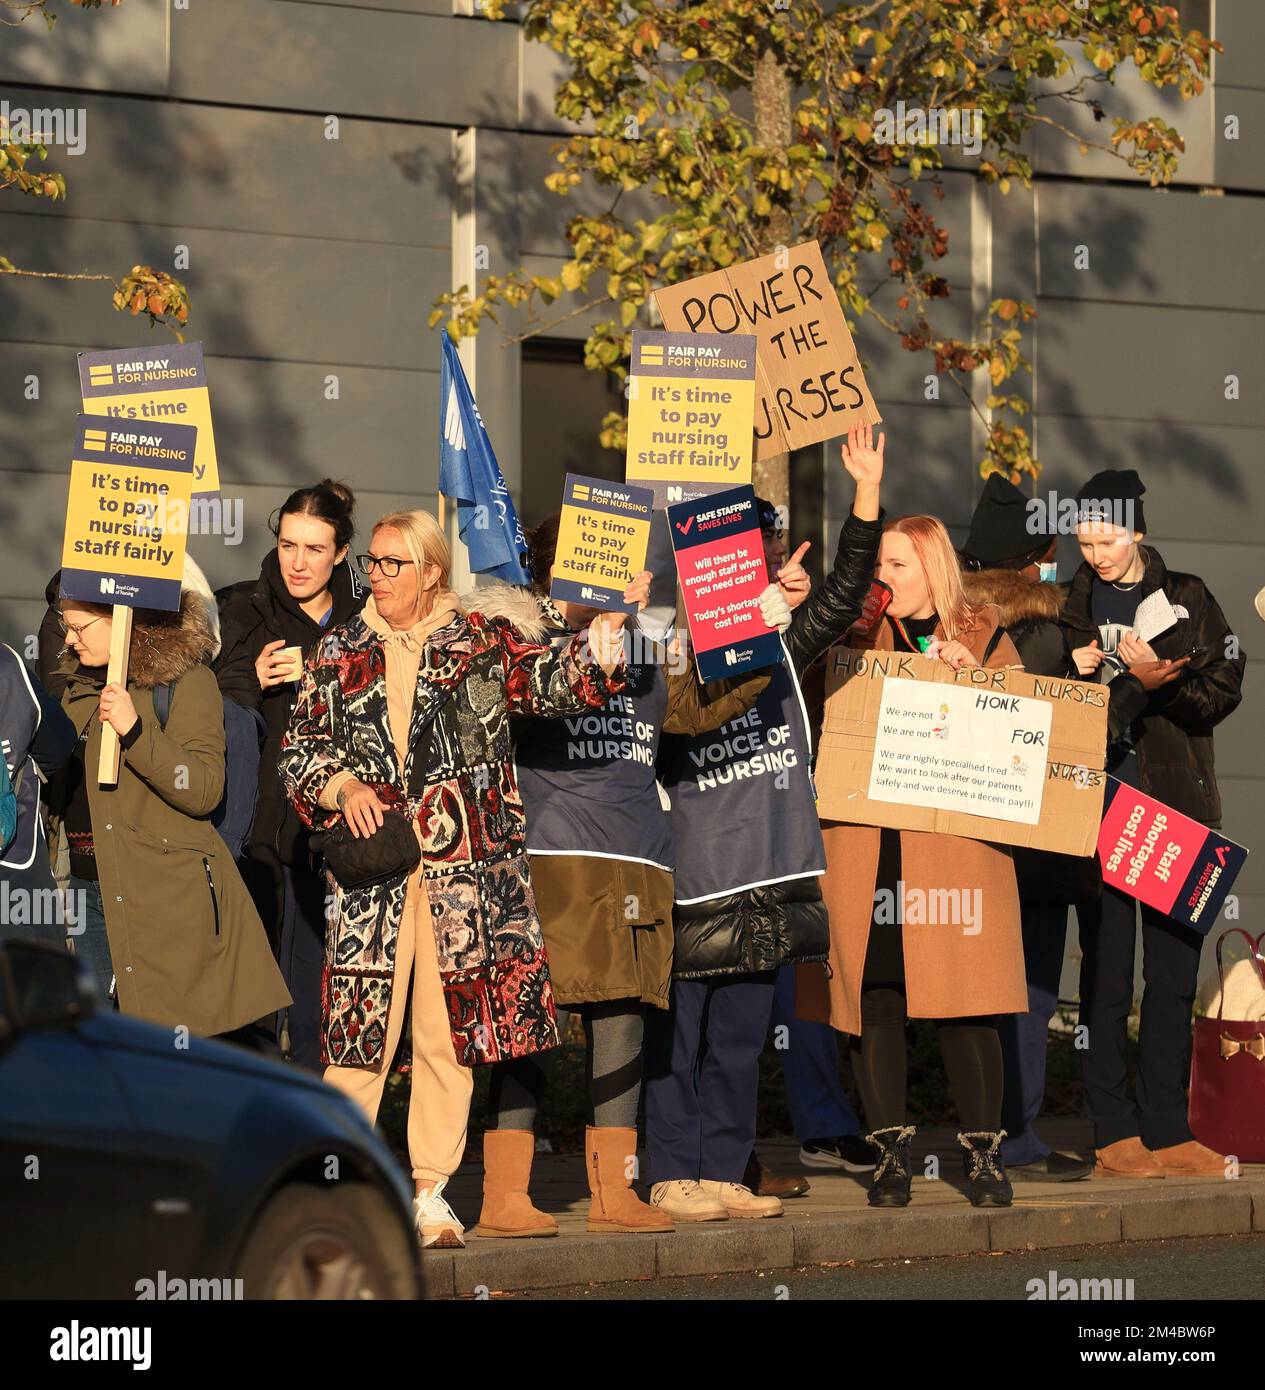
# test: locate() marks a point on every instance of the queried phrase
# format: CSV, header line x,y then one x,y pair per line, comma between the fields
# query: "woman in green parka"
x,y
168,916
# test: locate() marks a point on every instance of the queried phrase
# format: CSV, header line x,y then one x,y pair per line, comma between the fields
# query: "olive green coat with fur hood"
x,y
186,943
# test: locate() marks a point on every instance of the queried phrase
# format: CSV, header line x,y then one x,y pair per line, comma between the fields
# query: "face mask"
x,y
1048,573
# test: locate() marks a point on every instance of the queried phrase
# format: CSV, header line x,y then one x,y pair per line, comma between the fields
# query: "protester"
x,y
405,708
36,739
305,588
749,854
1007,565
884,969
1167,696
601,864
168,916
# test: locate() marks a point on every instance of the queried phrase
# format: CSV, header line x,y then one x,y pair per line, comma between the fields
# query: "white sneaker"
x,y
739,1201
436,1222
684,1200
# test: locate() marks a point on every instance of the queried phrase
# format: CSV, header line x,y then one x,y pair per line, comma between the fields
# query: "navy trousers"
x,y
702,1073
1170,970
302,959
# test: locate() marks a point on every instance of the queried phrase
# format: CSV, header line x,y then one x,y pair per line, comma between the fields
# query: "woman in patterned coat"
x,y
413,680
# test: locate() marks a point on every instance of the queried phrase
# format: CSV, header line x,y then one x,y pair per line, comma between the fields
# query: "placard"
x,y
1163,858
147,386
720,564
809,382
960,749
127,513
691,400
1071,752
602,541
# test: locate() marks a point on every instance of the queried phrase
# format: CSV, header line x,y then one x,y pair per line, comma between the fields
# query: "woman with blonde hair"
x,y
399,752
884,969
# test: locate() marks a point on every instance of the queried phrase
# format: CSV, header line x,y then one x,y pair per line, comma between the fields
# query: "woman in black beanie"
x,y
1167,696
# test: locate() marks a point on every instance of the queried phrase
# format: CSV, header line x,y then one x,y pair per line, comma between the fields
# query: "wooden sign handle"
x,y
116,674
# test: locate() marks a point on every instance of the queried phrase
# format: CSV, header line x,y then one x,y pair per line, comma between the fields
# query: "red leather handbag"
x,y
1227,1073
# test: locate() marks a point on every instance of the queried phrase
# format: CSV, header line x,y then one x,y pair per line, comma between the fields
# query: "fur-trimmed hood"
x,y
1016,596
166,645
524,609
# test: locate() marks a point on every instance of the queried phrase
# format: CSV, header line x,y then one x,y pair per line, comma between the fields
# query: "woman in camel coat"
x,y
883,969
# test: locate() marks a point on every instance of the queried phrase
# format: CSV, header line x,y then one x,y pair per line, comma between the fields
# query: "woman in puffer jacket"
x,y
601,864
749,856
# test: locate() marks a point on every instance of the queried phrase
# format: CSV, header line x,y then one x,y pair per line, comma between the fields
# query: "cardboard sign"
x,y
720,563
150,385
128,512
1163,858
602,541
961,750
809,383
690,407
915,758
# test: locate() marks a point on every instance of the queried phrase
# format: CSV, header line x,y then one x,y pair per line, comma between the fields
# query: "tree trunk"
x,y
771,95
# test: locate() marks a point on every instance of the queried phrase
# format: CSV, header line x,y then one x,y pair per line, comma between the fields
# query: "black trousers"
x,y
302,961
1170,971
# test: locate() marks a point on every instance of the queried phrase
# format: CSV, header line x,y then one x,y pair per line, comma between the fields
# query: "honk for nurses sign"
x,y
127,517
602,539
690,403
152,385
988,754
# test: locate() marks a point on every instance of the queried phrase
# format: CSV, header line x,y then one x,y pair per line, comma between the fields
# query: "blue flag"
x,y
471,476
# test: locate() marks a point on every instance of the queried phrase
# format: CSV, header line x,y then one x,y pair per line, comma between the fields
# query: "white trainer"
x,y
684,1200
739,1201
436,1222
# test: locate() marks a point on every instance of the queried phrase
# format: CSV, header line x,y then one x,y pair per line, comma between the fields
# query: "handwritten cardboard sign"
x,y
909,744
602,541
690,407
145,386
127,513
720,563
1165,859
809,383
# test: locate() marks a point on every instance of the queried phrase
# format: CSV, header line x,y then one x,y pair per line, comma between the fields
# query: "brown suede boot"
x,y
1190,1160
1127,1158
507,1209
615,1206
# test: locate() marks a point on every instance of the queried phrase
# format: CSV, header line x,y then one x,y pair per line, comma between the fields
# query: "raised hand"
x,y
861,458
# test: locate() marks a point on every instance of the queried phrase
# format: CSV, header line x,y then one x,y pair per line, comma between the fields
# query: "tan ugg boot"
x,y
507,1209
609,1155
1128,1158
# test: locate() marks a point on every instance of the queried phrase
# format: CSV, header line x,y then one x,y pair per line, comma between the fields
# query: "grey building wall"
x,y
312,258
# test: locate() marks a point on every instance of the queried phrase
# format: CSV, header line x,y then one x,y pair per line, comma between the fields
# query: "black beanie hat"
x,y
770,517
999,528
1114,495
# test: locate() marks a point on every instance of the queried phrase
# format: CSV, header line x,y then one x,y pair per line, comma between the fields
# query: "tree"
x,y
662,85
23,153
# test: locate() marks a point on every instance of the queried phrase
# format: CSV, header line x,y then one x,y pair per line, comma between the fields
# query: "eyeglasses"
x,y
389,564
70,627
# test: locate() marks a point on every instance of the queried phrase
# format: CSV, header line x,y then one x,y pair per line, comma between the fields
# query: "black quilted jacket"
x,y
782,923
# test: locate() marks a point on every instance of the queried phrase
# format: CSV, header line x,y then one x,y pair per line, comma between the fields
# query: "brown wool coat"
x,y
947,974
186,943
596,953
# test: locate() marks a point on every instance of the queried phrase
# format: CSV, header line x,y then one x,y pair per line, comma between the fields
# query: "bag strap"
x,y
1256,943
998,633
162,703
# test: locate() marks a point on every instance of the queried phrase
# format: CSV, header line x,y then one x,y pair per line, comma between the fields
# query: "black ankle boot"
x,y
990,1187
889,1186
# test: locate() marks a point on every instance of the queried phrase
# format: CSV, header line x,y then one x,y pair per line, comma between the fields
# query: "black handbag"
x,y
392,851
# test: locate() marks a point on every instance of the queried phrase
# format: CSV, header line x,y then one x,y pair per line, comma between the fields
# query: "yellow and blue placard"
x,y
691,402
150,385
127,515
602,541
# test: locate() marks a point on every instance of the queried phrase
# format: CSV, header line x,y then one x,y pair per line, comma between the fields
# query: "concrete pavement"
x,y
834,1224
